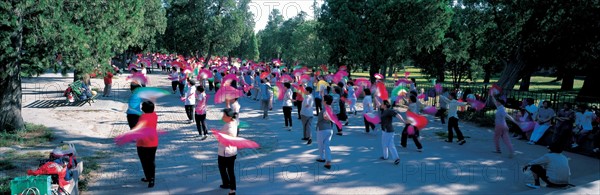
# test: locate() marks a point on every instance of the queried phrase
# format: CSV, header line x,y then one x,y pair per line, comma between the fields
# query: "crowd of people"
x,y
331,98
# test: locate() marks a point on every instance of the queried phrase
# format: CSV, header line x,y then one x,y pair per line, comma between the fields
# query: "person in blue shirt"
x,y
134,110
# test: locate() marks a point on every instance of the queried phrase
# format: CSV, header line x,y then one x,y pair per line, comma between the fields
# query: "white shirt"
x,y
452,106
307,106
367,104
584,120
190,96
235,106
287,98
229,129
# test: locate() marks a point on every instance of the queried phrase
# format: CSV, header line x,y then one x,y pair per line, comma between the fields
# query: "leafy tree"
x,y
269,46
306,47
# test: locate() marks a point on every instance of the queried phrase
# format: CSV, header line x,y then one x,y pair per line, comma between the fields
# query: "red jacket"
x,y
151,139
108,78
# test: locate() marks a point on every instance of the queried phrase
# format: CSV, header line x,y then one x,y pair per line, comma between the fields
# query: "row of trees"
x,y
463,39
86,33
210,27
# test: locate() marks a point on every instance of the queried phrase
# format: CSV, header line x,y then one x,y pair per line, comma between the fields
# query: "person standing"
x,y
190,100
200,115
352,97
307,114
298,98
443,107
368,109
133,111
501,129
543,118
583,125
318,95
324,134
287,106
107,84
387,133
265,97
174,77
453,105
227,154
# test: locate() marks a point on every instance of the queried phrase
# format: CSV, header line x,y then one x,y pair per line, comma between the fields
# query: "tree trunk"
x,y
209,55
441,77
512,72
392,71
525,81
567,81
10,86
487,76
589,90
384,70
374,68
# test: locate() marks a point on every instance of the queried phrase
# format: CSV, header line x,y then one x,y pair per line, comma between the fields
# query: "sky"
x,y
289,9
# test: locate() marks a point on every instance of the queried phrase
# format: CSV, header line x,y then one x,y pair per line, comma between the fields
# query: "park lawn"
x,y
538,83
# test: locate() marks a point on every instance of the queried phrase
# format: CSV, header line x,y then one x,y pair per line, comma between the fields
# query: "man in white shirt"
x,y
453,105
306,114
553,168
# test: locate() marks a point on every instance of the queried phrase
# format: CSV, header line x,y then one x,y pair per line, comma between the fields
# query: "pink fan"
x,y
410,130
339,76
178,64
378,76
138,77
332,117
406,74
526,126
478,105
204,74
132,66
229,78
299,72
403,82
300,89
146,62
286,78
429,110
227,93
188,70
139,132
304,79
421,96
382,91
495,89
438,88
222,68
280,90
372,118
417,120
238,142
244,69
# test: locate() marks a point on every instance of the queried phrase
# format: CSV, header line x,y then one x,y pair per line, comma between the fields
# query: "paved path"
x,y
284,164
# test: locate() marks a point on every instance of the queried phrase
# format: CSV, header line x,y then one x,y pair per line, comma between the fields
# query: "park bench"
x,y
79,92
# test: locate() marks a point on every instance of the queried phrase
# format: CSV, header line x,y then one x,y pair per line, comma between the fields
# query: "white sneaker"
x,y
574,145
533,186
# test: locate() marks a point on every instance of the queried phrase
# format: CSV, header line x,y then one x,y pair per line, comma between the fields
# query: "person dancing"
x,y
227,154
324,133
387,133
200,115
453,105
501,129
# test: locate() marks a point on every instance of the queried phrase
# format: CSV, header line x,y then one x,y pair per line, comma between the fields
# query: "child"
x,y
200,115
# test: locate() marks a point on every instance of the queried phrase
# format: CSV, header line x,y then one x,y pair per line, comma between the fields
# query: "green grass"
x,y
15,164
32,135
92,165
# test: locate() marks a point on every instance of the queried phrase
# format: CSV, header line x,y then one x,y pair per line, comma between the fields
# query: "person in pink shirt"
x,y
200,115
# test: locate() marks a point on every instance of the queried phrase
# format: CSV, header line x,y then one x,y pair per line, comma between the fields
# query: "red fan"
x,y
227,93
286,78
382,91
495,89
300,89
332,117
343,68
204,74
264,75
406,74
430,110
417,120
372,118
478,105
178,64
238,142
324,68
378,76
247,88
